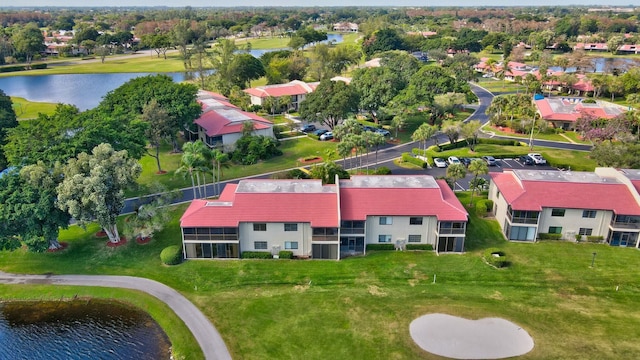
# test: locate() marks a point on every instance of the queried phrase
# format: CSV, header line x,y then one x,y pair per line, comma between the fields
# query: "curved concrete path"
x,y
205,333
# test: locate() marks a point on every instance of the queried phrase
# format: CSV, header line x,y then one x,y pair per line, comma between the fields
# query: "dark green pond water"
x,y
84,329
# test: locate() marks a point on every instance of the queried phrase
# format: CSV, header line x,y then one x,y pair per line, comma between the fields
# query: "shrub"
x,y
12,68
451,146
595,239
383,170
171,255
285,254
547,236
256,255
427,247
481,208
578,237
297,174
371,247
495,257
406,157
39,66
505,142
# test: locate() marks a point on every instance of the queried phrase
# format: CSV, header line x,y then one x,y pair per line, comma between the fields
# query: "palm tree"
x,y
344,150
398,122
217,160
192,162
422,134
456,172
477,167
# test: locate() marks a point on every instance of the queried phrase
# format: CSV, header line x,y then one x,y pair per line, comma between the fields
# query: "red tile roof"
x,y
220,117
534,195
292,88
559,109
234,207
359,202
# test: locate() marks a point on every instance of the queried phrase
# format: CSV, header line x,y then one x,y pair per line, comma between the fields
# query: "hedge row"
x,y
499,261
14,68
256,255
171,255
547,236
595,239
385,247
483,206
406,157
465,143
285,254
427,247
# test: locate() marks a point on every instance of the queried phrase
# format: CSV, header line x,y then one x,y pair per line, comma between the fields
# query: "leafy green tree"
x,y
398,122
160,43
245,68
28,41
178,100
182,35
470,131
327,171
476,168
8,121
376,88
382,40
222,58
250,149
331,102
94,184
451,129
159,128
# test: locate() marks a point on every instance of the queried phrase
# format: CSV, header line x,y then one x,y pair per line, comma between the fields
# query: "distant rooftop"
x,y
387,182
283,186
563,176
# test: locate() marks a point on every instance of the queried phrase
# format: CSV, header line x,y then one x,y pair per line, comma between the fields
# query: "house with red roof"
x,y
296,90
324,221
563,112
604,204
591,46
220,124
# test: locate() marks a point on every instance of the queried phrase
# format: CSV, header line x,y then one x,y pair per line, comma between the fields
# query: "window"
x,y
386,220
585,231
384,238
291,245
415,238
557,212
588,213
415,221
260,245
290,227
555,229
259,227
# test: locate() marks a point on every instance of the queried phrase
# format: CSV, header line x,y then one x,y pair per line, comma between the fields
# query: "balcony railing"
x,y
624,225
451,231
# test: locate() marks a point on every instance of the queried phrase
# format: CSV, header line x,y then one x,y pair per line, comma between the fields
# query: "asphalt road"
x,y
205,333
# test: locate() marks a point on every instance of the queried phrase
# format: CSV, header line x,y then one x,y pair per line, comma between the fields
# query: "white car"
x,y
439,163
326,136
537,158
453,160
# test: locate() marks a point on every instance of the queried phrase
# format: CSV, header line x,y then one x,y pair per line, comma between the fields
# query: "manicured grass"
x,y
500,86
26,109
115,64
265,42
537,136
361,307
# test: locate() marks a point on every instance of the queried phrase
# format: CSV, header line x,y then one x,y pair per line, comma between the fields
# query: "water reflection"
x,y
79,330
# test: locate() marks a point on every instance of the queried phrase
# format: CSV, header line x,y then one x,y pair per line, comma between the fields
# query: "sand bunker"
x,y
458,338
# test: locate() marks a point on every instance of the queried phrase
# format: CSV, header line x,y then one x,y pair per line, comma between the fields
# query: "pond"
x,y
600,65
79,330
331,38
82,90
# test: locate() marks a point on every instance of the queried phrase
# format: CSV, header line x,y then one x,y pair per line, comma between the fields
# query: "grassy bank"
x,y
26,109
361,307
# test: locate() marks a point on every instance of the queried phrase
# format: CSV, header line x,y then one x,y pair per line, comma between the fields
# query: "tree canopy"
x,y
7,121
330,103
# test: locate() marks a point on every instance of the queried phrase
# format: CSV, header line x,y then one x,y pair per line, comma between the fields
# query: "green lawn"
x,y
500,86
26,109
361,307
116,64
552,137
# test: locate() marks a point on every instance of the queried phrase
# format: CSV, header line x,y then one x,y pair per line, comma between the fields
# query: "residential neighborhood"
x,y
371,182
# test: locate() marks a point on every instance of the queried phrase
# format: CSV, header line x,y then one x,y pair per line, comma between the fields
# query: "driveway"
x,y
205,333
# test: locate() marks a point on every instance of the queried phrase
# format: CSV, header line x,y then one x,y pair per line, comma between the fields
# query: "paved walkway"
x,y
205,333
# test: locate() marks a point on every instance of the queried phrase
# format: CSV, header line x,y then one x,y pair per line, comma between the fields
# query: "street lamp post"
x,y
593,259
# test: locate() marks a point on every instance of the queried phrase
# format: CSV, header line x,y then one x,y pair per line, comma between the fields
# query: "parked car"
x,y
475,159
326,136
526,160
465,161
491,161
308,128
453,160
320,132
440,163
537,158
368,128
383,132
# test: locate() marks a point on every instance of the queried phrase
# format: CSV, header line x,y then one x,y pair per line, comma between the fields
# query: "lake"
x,y
82,90
331,38
75,330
